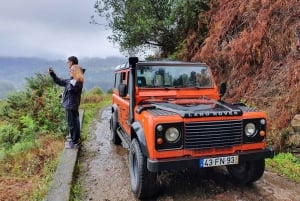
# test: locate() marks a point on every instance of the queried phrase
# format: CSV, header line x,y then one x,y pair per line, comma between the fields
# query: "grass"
x,y
285,164
76,189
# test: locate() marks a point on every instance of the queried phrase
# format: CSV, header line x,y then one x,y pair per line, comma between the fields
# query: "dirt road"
x,y
105,177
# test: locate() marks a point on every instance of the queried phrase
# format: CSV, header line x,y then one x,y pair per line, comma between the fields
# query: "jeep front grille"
x,y
203,135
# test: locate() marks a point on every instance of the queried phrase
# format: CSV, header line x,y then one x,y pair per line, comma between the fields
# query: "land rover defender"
x,y
171,116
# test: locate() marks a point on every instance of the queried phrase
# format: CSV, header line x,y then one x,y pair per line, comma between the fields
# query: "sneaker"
x,y
71,145
68,138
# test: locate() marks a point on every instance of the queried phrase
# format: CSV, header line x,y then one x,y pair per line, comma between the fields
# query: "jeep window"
x,y
120,78
117,80
173,76
123,78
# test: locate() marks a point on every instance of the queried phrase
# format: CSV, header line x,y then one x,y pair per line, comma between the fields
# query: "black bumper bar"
x,y
189,162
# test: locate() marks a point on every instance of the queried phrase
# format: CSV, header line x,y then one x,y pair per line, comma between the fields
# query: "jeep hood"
x,y
192,108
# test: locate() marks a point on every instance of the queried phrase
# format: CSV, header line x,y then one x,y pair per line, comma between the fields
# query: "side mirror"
x,y
222,89
122,90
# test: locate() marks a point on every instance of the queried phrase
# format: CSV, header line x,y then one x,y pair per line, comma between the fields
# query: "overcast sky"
x,y
52,29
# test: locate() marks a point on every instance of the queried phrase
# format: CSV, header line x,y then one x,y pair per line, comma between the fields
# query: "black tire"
x,y
144,184
113,129
258,171
248,171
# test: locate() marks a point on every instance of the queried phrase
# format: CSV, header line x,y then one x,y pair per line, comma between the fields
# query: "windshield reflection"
x,y
173,76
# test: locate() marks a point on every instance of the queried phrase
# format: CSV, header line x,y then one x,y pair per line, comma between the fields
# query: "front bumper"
x,y
190,162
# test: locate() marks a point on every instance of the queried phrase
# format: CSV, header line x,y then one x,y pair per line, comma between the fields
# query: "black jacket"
x,y
72,93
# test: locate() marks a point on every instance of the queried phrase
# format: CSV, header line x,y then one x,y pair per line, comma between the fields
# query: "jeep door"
x,y
123,104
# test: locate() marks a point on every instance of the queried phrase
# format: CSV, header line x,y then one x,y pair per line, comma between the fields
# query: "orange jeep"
x,y
170,115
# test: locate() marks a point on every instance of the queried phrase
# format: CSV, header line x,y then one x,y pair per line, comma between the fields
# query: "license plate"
x,y
218,161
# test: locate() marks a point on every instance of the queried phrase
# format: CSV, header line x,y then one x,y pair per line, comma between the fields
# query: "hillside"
x,y
254,46
13,71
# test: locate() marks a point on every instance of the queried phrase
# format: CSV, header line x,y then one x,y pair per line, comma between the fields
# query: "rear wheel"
x,y
113,129
248,171
143,183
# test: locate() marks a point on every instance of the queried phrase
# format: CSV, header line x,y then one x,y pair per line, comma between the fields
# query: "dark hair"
x,y
73,59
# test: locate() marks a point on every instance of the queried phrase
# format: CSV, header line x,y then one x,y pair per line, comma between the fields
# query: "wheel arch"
x,y
138,132
114,108
114,112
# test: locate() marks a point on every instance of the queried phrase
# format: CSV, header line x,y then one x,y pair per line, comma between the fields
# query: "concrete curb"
x,y
62,182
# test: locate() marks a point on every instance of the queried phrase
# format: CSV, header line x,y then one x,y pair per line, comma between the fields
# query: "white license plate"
x,y
219,161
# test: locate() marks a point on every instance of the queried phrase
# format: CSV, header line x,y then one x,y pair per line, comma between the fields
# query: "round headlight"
x,y
250,129
172,135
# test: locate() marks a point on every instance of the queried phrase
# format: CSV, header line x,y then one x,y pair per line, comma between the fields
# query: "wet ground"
x,y
105,177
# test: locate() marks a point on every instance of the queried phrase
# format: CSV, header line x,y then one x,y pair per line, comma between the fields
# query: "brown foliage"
x,y
254,46
22,174
92,99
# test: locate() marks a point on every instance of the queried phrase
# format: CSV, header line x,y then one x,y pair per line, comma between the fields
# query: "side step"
x,y
124,137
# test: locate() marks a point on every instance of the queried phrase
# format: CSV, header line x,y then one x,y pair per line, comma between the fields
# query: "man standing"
x,y
71,99
72,60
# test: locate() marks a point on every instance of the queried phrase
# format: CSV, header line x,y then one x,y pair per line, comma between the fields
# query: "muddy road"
x,y
105,177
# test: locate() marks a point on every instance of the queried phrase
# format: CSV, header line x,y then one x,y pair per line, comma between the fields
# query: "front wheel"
x,y
143,183
248,171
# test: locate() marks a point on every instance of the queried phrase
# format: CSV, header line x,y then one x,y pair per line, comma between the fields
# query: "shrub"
x,y
36,110
95,91
109,91
9,135
93,96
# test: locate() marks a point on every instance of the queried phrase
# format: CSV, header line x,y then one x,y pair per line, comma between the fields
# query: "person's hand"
x,y
51,71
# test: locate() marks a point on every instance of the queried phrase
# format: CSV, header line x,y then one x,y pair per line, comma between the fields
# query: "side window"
x,y
123,78
117,80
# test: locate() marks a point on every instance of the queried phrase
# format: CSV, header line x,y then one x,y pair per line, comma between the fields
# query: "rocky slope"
x,y
255,47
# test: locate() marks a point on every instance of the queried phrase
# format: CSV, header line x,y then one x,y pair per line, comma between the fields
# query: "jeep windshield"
x,y
173,76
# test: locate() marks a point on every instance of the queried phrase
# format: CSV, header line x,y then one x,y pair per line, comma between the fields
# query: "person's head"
x,y
72,60
76,73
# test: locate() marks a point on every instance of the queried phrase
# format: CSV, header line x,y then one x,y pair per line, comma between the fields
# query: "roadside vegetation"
x,y
285,164
32,131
